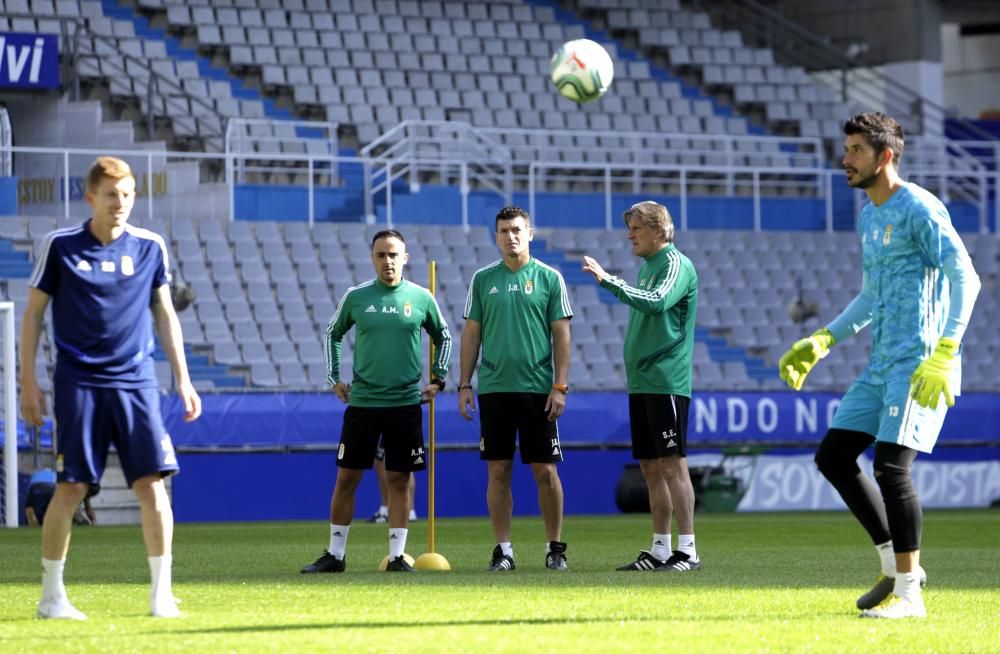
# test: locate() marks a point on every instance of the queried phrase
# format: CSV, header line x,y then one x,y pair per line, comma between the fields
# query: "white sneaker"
x,y
895,607
58,608
165,608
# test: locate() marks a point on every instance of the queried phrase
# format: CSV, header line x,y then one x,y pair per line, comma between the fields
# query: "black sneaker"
x,y
680,562
326,563
646,561
501,561
556,558
398,564
378,518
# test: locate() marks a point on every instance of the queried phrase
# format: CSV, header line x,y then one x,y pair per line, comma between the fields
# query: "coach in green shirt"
x,y
518,312
388,313
659,343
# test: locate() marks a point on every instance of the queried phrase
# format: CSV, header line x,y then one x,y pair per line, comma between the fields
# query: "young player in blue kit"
x,y
108,283
917,291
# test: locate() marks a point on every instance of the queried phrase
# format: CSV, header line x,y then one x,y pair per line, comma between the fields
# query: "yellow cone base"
x,y
432,561
385,561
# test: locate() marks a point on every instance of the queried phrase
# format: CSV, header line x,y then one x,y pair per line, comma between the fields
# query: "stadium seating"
x,y
369,64
267,290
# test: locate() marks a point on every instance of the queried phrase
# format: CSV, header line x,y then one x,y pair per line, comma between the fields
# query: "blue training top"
x,y
101,296
907,243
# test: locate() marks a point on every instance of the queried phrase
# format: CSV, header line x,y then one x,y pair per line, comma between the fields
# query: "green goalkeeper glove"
x,y
806,353
932,376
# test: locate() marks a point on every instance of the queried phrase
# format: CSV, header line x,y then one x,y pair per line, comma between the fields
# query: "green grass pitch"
x,y
771,583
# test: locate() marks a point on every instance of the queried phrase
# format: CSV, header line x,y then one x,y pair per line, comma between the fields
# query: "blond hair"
x,y
653,215
107,168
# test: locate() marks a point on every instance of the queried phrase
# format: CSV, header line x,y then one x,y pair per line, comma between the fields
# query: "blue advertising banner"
x,y
289,439
29,61
716,419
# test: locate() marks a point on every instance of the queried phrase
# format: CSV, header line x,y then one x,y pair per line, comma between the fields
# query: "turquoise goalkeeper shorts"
x,y
889,413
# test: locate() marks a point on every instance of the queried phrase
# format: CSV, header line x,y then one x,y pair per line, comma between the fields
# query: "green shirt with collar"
x,y
659,340
516,311
387,349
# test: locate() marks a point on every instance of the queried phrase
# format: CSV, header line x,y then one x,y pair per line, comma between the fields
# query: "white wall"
x,y
971,71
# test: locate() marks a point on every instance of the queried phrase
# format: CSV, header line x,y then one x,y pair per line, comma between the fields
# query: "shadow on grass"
x,y
503,622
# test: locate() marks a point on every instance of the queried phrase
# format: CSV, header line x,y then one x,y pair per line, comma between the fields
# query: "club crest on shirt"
x,y
529,287
107,266
407,309
127,266
887,235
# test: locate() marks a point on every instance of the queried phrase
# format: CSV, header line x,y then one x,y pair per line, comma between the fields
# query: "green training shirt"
x,y
659,341
388,320
516,310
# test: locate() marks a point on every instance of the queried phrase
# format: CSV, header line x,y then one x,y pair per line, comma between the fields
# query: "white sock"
x,y
383,510
507,549
685,543
160,574
397,542
887,557
52,579
413,514
907,585
338,540
661,546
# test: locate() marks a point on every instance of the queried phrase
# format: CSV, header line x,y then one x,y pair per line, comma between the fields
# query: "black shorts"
x,y
506,418
400,429
659,425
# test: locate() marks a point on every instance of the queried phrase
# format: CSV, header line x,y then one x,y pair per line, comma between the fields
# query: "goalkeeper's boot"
x,y
882,589
500,561
556,557
398,564
326,563
895,607
681,562
58,608
646,561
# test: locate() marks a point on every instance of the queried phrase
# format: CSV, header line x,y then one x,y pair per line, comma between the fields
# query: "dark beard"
x,y
865,182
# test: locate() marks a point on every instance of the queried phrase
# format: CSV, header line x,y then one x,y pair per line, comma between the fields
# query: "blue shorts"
x,y
88,420
889,413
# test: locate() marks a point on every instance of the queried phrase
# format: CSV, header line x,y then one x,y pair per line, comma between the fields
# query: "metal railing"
x,y
162,96
6,140
684,176
70,166
454,151
194,196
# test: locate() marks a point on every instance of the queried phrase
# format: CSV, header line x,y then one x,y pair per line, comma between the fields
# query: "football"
x,y
582,70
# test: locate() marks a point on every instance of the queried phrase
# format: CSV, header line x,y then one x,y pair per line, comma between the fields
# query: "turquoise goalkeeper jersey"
x,y
388,320
918,284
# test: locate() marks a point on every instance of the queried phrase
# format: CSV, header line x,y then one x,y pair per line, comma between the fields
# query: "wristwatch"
x,y
561,387
440,383
464,386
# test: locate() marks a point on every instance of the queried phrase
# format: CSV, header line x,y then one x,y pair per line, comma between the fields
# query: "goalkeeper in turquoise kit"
x,y
917,293
388,314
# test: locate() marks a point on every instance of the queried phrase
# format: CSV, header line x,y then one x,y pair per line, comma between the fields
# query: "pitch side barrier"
x,y
288,422
273,456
